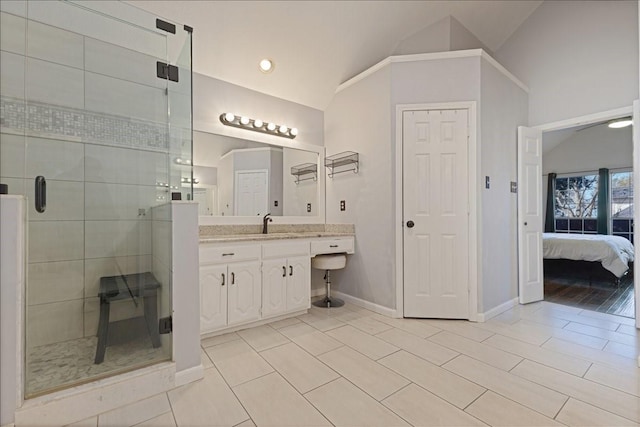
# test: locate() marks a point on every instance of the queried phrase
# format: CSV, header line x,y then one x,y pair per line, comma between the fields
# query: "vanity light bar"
x,y
189,181
257,125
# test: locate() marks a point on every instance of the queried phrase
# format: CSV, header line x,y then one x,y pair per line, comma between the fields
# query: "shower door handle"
x,y
41,194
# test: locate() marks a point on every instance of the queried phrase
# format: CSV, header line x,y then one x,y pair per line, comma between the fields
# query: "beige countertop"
x,y
271,236
248,233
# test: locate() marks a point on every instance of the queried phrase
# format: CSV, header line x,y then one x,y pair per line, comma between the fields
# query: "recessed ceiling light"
x,y
620,123
266,65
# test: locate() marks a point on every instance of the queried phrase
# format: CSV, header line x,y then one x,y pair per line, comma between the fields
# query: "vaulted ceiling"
x,y
316,45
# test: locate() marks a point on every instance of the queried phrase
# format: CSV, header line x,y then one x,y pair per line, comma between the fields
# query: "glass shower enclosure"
x,y
95,131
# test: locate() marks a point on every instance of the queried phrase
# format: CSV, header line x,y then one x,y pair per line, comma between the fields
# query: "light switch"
x,y
308,207
343,206
487,182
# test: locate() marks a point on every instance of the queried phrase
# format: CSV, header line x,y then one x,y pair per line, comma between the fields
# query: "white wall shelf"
x,y
347,161
307,170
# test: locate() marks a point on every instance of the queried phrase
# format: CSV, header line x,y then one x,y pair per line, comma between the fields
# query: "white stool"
x,y
328,263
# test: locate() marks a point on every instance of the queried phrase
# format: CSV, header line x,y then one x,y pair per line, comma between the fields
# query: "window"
x,y
576,204
622,204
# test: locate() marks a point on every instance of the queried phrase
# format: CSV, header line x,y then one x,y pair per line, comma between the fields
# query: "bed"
x,y
614,253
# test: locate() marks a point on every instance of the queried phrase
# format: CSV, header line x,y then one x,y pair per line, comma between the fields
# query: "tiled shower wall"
x,y
92,118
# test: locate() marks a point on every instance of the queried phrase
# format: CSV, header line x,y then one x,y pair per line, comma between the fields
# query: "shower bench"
x,y
116,288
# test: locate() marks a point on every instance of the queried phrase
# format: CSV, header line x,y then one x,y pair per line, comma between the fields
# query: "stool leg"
x,y
151,317
103,331
327,301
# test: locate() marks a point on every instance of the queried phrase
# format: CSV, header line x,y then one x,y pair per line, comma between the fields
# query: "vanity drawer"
x,y
223,254
332,246
282,250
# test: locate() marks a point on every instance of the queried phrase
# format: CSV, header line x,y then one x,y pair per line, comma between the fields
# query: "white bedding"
x,y
614,252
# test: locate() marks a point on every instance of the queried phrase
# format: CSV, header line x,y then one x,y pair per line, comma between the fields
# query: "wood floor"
x,y
596,294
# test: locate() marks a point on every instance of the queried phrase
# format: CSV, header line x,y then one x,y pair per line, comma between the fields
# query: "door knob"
x,y
525,223
410,224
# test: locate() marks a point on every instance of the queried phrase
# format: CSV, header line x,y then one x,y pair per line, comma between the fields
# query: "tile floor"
x,y
535,365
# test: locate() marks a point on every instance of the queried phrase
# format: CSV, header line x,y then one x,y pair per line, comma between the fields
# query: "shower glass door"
x,y
86,136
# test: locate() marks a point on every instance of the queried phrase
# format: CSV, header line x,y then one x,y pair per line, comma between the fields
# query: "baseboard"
x,y
483,317
251,324
385,311
317,292
189,375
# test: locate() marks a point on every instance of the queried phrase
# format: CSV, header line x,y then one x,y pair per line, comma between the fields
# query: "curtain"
x,y
550,220
603,201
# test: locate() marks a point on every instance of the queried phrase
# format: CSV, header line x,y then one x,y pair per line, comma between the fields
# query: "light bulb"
x,y
271,127
244,120
283,129
623,123
266,65
229,117
293,131
257,123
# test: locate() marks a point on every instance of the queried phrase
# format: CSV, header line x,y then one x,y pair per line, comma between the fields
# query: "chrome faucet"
x,y
266,219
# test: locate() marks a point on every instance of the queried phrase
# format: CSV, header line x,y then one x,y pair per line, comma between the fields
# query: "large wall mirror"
x,y
238,181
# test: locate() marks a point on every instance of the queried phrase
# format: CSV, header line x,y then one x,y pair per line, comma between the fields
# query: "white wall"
x,y
503,107
577,57
591,149
444,35
437,81
296,196
13,221
275,183
362,118
212,97
359,119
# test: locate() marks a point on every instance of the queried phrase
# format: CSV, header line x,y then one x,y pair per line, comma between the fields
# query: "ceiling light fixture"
x,y
257,125
620,123
266,65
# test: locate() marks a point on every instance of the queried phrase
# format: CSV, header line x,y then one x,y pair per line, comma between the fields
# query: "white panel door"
x,y
213,297
636,209
244,292
436,213
530,275
251,198
298,283
274,287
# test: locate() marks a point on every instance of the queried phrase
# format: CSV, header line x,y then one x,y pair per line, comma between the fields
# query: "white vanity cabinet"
x,y
246,282
213,297
286,281
230,286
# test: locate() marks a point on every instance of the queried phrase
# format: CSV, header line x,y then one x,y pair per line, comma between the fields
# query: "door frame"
x,y
599,117
474,237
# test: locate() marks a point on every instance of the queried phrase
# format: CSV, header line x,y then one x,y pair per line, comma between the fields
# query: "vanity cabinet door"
x,y
298,283
213,297
244,292
274,286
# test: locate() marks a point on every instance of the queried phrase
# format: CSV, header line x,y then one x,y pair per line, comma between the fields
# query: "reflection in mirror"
x,y
237,177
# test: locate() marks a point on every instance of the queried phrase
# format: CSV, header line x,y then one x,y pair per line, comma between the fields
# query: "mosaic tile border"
x,y
41,119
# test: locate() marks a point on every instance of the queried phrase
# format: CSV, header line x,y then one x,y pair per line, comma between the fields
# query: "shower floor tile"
x,y
67,363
